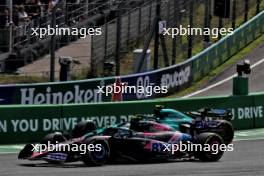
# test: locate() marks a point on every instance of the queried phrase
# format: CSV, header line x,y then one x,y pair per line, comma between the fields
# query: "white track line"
x,y
8,153
250,139
220,82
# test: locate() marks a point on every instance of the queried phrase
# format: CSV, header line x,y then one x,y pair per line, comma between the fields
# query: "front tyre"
x,y
96,157
26,152
212,142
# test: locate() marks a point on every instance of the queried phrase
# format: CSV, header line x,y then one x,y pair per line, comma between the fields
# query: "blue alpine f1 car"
x,y
143,139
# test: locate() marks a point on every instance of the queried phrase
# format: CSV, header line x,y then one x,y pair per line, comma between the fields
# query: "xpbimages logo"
x,y
123,88
58,31
182,31
59,147
191,147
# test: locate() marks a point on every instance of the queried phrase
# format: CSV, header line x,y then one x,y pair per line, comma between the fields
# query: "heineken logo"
x,y
77,95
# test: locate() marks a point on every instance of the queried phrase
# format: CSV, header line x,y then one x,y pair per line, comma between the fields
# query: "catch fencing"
x,y
176,77
136,25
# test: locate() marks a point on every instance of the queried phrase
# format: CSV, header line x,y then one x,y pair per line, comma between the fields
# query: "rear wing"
x,y
211,113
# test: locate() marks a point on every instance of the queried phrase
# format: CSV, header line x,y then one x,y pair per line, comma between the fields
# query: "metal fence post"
x,y
168,12
246,10
66,14
234,14
105,37
258,6
52,46
11,27
118,38
156,44
139,26
190,37
92,57
206,20
209,13
128,28
150,15
174,41
220,25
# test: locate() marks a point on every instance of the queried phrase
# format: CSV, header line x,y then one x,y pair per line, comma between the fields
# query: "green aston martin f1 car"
x,y
213,120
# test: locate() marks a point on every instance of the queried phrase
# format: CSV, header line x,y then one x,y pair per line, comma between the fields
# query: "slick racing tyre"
x,y
209,140
53,138
26,152
83,128
227,132
96,157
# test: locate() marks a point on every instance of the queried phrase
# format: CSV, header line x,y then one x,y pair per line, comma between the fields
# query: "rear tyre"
x,y
227,131
209,140
96,157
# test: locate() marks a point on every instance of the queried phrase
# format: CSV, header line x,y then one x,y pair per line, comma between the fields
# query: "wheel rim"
x,y
213,142
99,155
211,154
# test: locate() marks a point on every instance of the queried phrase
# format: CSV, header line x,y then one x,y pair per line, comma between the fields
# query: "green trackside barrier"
x,y
221,51
21,124
259,102
107,113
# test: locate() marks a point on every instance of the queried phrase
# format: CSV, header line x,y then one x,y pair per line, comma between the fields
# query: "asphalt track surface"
x,y
247,159
256,83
